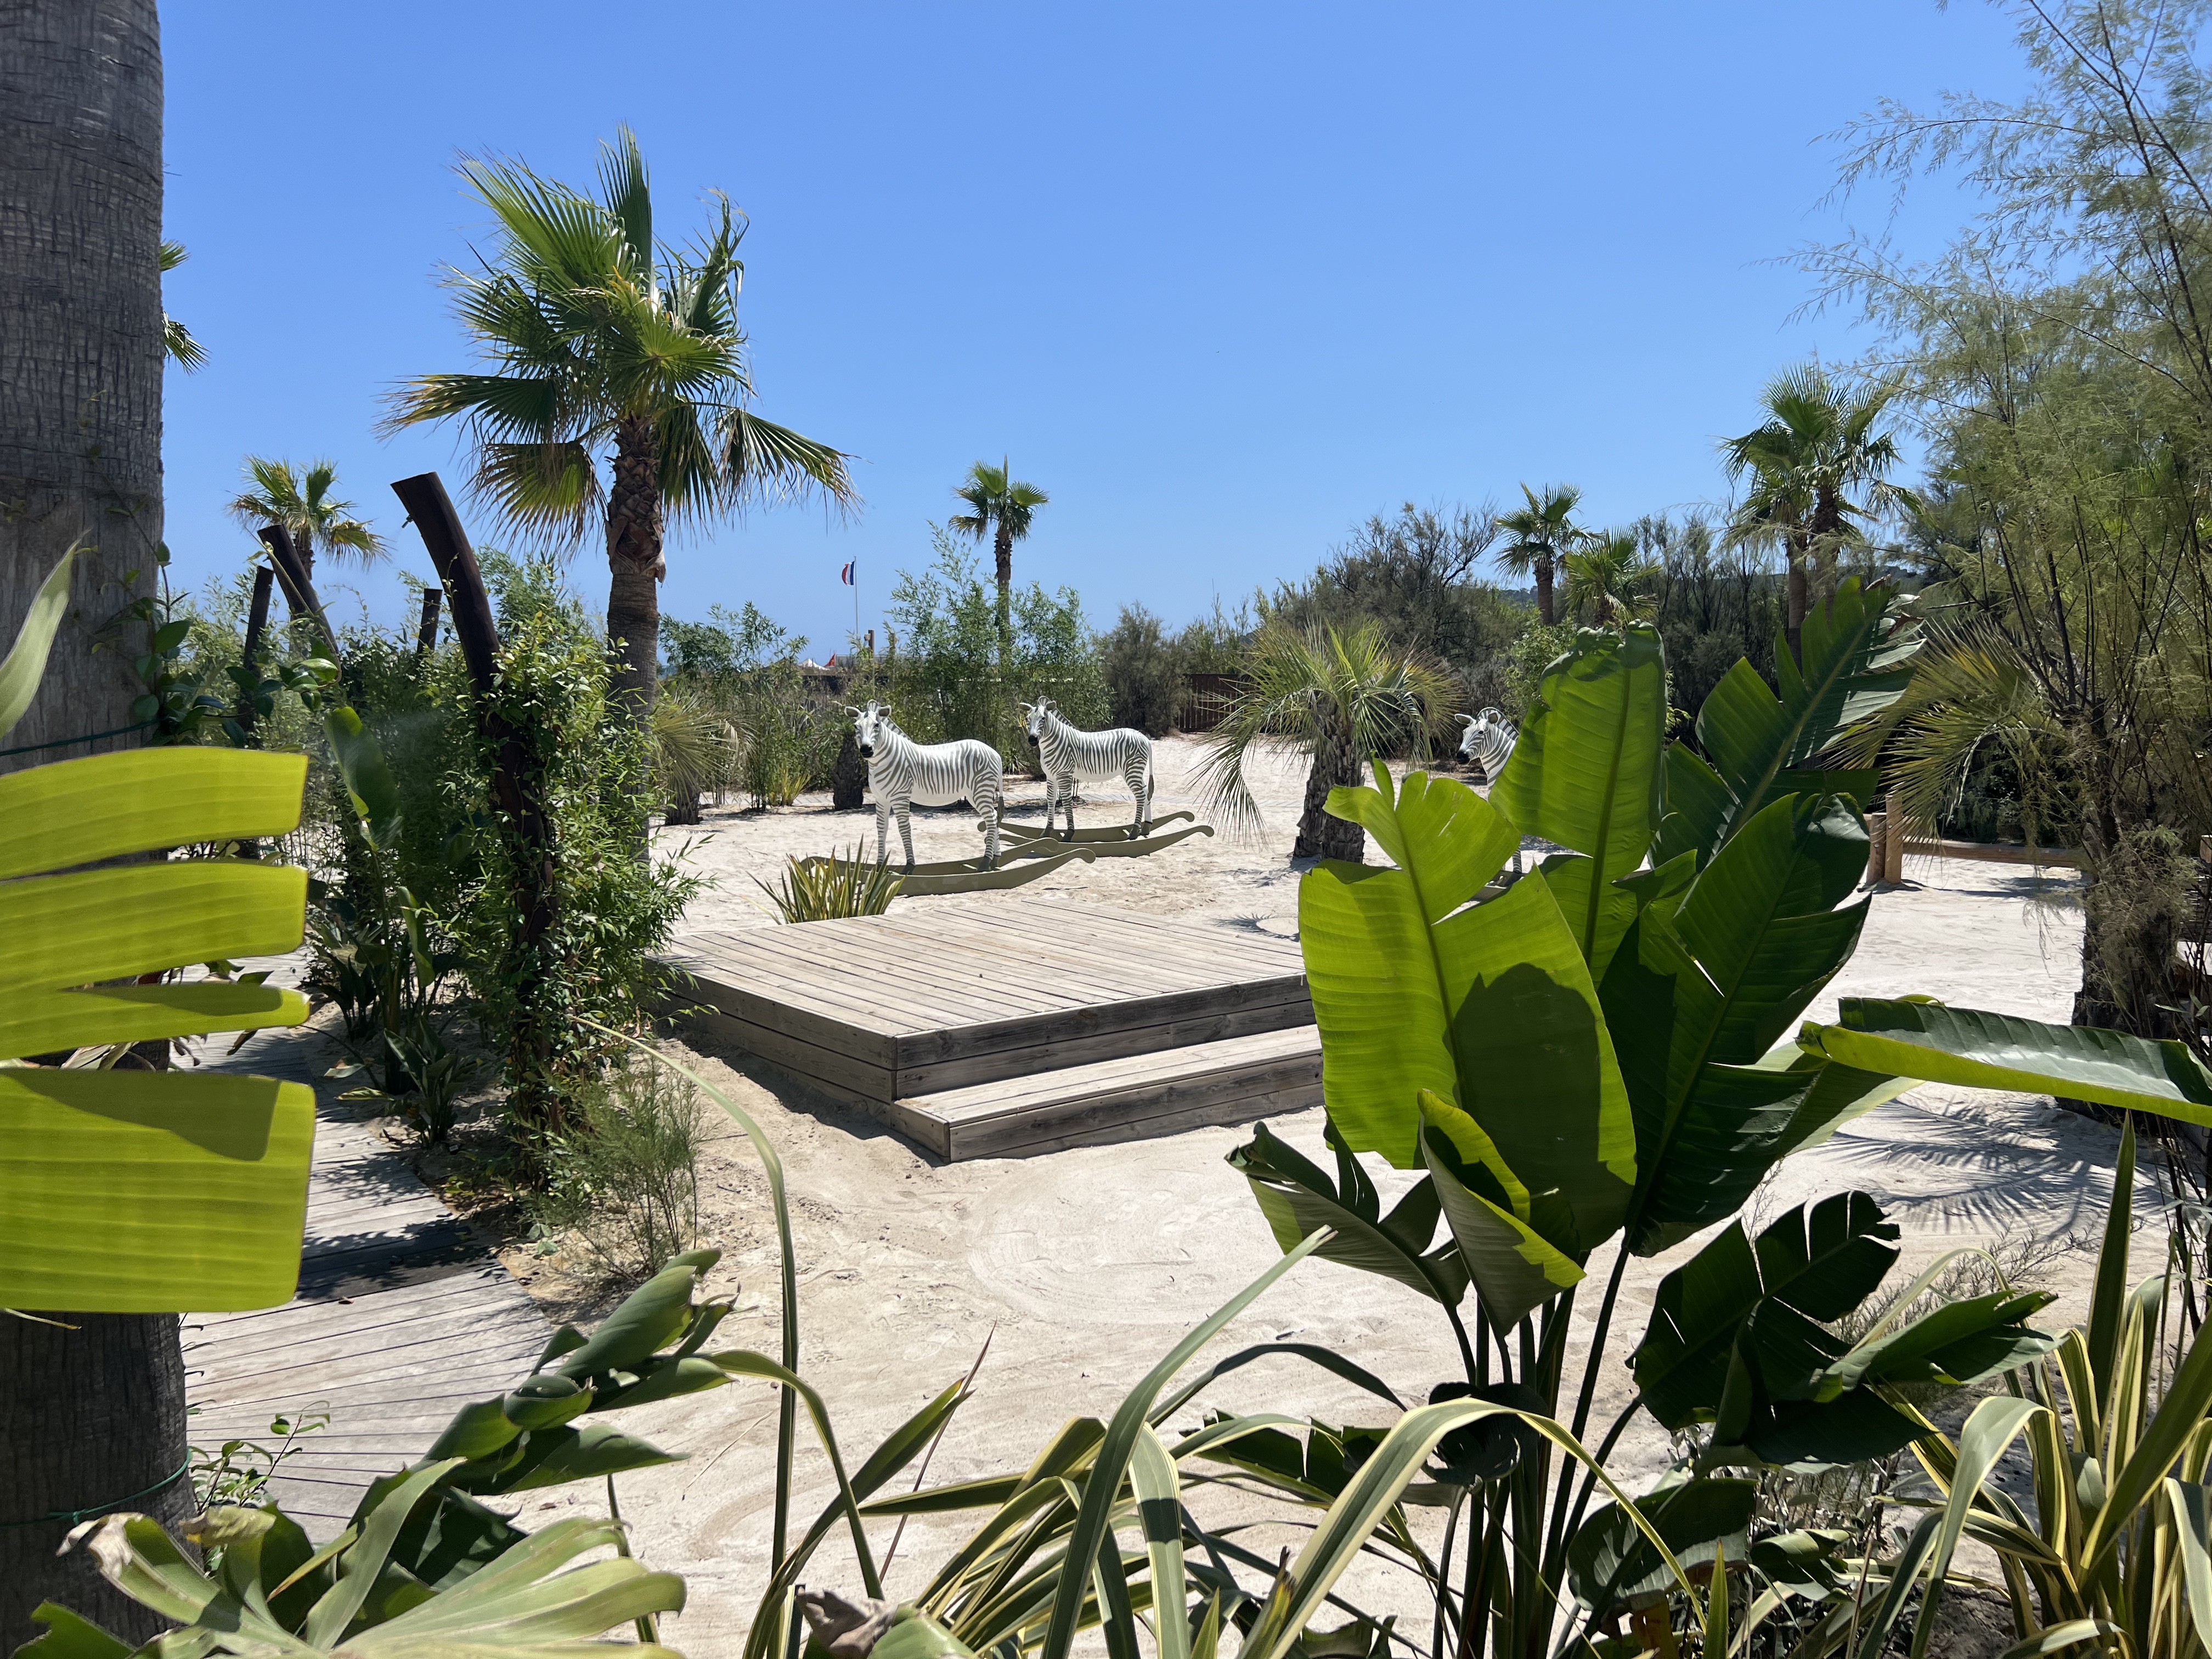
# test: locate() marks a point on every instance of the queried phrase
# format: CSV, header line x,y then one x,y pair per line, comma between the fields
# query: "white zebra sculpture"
x,y
901,771
1488,741
1068,754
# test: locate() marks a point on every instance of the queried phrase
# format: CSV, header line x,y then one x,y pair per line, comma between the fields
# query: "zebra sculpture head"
x,y
1033,716
869,725
1478,724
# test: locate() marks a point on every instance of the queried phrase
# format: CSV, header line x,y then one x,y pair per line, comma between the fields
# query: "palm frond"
x,y
627,196
764,462
556,237
548,487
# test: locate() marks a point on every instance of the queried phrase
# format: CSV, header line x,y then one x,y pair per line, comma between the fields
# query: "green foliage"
x,y
624,1176
591,769
271,1595
947,681
1414,576
828,889
1139,667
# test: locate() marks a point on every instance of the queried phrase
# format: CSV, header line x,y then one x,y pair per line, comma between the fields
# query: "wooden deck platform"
x,y
402,1316
1021,1026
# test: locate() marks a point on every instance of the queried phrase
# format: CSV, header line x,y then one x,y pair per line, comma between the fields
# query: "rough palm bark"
x,y
848,776
1544,601
1336,763
94,1415
635,526
1002,551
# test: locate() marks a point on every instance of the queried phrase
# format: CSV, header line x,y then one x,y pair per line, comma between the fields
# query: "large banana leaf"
x,y
1982,1050
201,1180
1587,773
1488,1007
1738,1338
1703,984
60,932
1759,748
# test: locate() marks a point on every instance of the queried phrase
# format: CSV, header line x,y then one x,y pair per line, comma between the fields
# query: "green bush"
x,y
947,681
624,1176
611,906
1137,662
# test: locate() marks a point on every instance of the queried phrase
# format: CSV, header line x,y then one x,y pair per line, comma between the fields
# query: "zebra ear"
x,y
1468,719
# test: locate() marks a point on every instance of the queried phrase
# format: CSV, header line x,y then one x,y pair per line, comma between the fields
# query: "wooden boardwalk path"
x,y
1018,1027
402,1316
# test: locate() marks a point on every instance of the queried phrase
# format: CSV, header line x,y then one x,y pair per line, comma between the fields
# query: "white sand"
x,y
1083,1266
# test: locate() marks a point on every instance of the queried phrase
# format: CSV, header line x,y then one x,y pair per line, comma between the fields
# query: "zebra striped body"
x,y
901,771
1067,754
1489,741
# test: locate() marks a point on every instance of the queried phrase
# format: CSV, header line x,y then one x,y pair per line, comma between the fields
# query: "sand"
x,y
1082,1267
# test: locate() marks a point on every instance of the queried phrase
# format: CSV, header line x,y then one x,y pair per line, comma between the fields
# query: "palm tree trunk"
x,y
1002,549
1336,763
1794,626
635,527
1544,590
92,1417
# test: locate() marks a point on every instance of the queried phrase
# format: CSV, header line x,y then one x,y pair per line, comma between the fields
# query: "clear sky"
x,y
1225,279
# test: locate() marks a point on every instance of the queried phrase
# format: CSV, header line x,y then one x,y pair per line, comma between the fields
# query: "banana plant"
x,y
271,1595
84,954
1600,1051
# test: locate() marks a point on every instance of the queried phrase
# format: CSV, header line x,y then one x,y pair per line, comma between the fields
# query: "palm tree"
x,y
1002,507
1817,445
176,340
1341,697
304,500
1606,578
1542,533
96,1404
605,347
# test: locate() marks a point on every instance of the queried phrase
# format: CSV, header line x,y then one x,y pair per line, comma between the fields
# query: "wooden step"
x,y
1129,1098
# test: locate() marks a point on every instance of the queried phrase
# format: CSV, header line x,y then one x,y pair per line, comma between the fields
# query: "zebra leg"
x,y
883,829
1133,775
905,832
994,810
1067,803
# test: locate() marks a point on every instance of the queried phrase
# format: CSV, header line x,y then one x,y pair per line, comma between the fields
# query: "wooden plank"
x,y
765,1004
929,1049
1301,1045
1158,1108
764,973
826,1065
937,979
1173,1034
1124,1125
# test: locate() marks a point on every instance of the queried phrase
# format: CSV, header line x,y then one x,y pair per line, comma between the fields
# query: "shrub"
x,y
624,1178
1138,665
611,906
947,682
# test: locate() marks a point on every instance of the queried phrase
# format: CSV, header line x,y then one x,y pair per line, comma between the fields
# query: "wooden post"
x,y
1877,859
1893,846
299,587
426,635
257,622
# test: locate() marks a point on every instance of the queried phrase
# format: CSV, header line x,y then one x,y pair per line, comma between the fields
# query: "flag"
x,y
845,576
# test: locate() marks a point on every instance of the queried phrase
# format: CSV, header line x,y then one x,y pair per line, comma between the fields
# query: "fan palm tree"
x,y
1340,697
1817,446
304,501
1543,532
605,348
176,340
1003,508
1606,579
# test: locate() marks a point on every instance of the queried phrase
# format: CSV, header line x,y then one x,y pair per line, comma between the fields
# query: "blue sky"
x,y
1225,279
